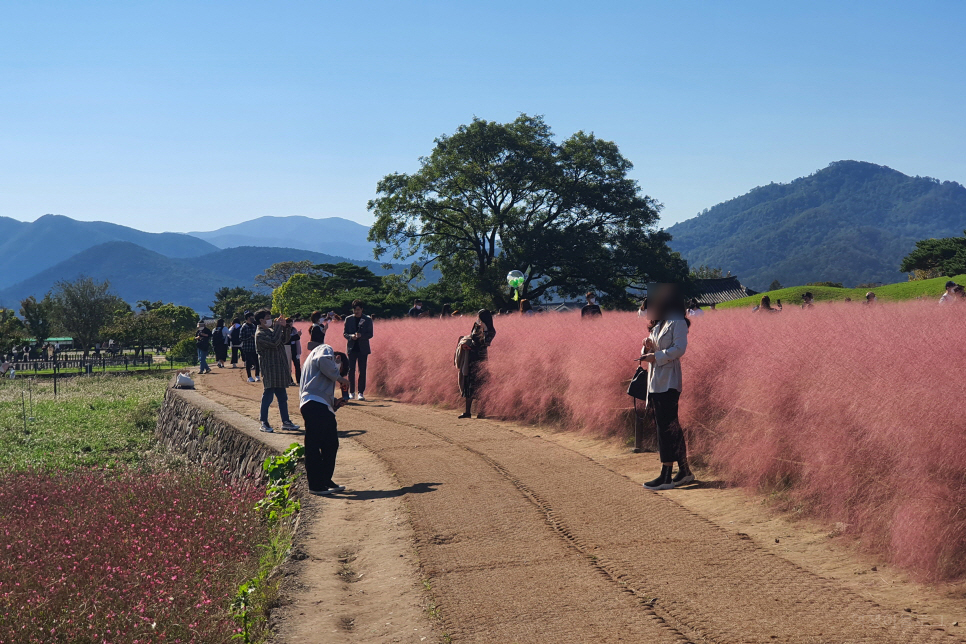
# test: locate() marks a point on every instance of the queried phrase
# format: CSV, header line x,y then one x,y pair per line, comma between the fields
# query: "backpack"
x,y
235,335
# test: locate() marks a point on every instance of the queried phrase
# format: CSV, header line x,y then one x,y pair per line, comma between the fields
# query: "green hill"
x,y
851,222
792,296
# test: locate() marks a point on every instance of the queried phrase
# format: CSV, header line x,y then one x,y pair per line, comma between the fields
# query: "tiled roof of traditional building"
x,y
722,289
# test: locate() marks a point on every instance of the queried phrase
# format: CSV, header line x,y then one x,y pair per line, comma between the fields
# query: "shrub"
x,y
185,349
855,409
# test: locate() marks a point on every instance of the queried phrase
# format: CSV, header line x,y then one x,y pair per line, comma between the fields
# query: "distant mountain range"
x,y
136,273
332,235
26,248
851,222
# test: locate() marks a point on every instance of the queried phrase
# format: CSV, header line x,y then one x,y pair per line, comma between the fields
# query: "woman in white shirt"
x,y
662,350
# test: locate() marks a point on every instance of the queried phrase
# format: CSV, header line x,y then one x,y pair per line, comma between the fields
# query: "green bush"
x,y
185,349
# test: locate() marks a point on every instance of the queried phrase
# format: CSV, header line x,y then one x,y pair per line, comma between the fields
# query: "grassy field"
x,y
154,366
889,292
96,421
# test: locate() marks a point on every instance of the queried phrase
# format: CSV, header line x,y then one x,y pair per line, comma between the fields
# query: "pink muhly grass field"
x,y
91,556
850,413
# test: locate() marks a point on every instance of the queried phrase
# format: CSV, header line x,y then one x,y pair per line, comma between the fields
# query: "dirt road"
x,y
523,540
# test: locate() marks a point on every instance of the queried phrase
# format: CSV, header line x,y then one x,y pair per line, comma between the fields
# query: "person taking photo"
x,y
270,340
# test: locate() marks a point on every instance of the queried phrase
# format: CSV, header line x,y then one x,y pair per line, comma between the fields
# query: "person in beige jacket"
x,y
663,349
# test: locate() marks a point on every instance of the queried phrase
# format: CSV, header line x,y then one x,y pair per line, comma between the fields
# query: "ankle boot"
x,y
662,482
684,475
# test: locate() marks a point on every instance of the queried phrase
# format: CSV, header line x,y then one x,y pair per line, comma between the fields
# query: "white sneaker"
x,y
250,379
352,396
267,428
362,398
290,426
257,379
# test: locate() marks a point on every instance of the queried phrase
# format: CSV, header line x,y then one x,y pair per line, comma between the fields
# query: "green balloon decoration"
x,y
515,279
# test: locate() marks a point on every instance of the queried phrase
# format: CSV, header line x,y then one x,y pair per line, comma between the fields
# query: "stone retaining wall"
x,y
208,433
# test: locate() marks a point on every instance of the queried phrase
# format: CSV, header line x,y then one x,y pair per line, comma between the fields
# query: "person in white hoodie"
x,y
317,403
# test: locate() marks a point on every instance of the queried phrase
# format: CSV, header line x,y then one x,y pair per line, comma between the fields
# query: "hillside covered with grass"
x,y
887,293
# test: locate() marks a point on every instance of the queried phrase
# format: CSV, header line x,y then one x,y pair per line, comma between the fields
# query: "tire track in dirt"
x,y
704,586
524,540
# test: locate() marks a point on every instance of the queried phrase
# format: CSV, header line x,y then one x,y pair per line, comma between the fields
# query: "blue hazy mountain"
x,y
27,248
137,273
331,235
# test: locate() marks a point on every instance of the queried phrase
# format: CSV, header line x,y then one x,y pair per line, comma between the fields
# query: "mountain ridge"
x,y
137,273
329,235
849,222
27,248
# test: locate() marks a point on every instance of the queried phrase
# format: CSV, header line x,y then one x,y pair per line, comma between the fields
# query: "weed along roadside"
x,y
257,596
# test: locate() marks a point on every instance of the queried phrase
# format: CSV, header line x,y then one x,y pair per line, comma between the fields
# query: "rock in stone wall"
x,y
205,432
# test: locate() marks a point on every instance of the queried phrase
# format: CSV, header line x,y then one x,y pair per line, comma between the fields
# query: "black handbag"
x,y
638,385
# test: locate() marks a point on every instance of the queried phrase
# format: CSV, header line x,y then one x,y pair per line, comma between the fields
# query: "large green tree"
x,y
334,287
141,330
494,197
231,302
946,256
279,273
11,330
182,319
83,307
38,318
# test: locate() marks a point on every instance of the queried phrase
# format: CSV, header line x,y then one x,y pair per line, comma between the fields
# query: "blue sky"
x,y
190,116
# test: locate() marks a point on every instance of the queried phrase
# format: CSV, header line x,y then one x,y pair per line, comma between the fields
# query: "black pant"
x,y
670,438
298,368
363,360
251,362
321,444
234,354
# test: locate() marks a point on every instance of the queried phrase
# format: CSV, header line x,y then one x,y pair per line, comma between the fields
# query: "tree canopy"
x,y
83,307
11,330
333,287
232,302
280,272
495,197
945,256
38,318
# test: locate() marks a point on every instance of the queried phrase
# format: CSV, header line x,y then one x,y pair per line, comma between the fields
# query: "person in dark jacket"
x,y
203,342
477,343
591,309
249,355
317,331
417,309
296,348
219,340
234,338
357,332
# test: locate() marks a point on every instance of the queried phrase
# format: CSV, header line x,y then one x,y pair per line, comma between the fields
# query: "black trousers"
x,y
298,369
234,354
321,444
670,438
251,362
363,362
